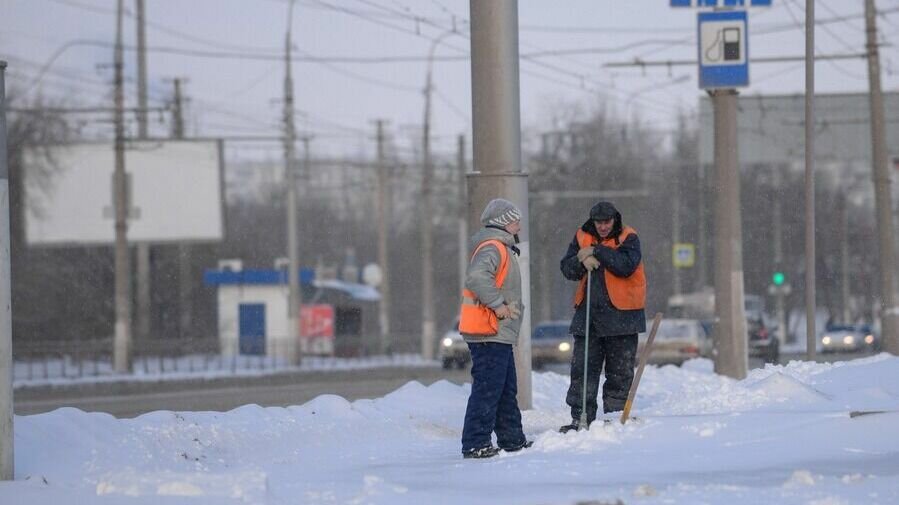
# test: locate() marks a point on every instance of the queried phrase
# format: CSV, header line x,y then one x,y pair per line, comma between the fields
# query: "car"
x,y
550,343
848,338
762,342
677,340
452,349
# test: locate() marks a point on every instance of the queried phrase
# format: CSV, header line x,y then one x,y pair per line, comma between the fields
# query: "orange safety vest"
x,y
476,318
626,293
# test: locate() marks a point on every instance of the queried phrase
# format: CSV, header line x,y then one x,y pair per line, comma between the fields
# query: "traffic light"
x,y
778,278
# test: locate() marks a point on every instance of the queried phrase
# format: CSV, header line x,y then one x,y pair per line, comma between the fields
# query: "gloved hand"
x,y
503,312
584,253
514,311
591,263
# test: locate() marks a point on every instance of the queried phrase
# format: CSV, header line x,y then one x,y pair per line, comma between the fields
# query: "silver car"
x,y
452,349
677,341
848,338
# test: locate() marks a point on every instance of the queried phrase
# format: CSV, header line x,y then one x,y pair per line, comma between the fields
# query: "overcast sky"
x,y
375,64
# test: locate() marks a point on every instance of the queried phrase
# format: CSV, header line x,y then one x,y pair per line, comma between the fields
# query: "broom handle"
x,y
644,356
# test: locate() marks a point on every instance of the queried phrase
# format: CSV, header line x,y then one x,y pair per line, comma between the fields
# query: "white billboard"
x,y
175,193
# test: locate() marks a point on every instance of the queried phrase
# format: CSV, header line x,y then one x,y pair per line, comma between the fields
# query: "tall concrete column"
x,y
6,397
889,313
730,327
496,127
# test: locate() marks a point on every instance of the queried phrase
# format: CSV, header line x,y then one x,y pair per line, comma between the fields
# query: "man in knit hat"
x,y
608,249
490,321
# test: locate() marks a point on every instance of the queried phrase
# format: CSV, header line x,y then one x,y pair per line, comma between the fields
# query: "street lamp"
x,y
427,311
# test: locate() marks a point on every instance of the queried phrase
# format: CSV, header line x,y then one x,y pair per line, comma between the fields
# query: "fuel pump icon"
x,y
725,46
731,38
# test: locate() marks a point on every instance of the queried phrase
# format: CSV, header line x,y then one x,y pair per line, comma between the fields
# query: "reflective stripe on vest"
x,y
476,318
625,293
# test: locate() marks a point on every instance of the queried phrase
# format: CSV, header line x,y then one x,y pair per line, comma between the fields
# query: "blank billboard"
x,y
175,193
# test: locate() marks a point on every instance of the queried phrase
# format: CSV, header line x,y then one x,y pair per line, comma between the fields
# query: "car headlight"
x,y
869,339
564,347
447,342
848,340
826,340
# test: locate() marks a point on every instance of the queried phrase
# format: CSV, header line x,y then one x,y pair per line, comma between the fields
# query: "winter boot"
x,y
574,426
483,452
516,448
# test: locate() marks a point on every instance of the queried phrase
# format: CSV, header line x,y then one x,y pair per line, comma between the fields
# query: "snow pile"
x,y
783,435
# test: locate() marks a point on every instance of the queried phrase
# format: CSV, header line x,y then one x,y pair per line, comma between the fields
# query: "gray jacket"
x,y
480,278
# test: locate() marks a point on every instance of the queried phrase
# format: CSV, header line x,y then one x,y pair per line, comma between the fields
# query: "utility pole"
x,y
141,69
811,338
780,291
427,224
844,257
122,343
889,308
730,330
6,372
290,172
463,211
383,237
496,128
676,227
185,308
144,292
177,111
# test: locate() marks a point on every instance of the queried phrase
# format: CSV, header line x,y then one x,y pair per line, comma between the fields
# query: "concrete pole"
x,y
177,111
497,145
141,69
889,312
144,290
463,212
122,342
290,173
702,249
730,329
844,257
383,238
777,219
185,307
811,338
6,396
675,228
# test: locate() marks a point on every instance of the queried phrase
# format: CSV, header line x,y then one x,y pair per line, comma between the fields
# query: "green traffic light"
x,y
778,278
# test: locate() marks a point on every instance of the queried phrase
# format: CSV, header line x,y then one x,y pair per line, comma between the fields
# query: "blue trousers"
x,y
492,406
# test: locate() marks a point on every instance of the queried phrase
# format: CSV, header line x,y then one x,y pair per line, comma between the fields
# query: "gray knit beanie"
x,y
500,213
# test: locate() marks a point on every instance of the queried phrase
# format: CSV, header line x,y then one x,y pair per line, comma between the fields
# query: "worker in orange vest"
x,y
611,252
490,320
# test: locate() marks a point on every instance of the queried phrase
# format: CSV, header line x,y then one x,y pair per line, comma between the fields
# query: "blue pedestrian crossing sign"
x,y
683,255
723,49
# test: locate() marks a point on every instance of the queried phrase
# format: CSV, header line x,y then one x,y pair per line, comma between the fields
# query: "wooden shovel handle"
x,y
644,357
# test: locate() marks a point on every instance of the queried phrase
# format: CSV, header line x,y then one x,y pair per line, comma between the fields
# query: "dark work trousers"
x,y
492,405
618,356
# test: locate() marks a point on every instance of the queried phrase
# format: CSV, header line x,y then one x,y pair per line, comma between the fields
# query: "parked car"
x,y
452,349
763,343
677,340
550,343
848,338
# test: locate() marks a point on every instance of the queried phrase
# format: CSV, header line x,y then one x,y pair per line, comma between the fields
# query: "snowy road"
x,y
271,391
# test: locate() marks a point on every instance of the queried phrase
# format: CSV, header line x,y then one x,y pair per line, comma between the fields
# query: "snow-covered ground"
x,y
784,435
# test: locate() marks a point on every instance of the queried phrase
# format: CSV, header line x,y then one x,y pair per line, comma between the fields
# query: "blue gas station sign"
x,y
721,3
723,49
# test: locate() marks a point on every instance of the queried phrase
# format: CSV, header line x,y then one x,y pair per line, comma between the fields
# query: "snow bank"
x,y
782,435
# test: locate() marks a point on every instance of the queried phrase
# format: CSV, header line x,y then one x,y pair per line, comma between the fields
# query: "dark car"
x,y
763,343
550,343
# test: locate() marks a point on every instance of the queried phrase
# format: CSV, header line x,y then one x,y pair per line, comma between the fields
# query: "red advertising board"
x,y
317,321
